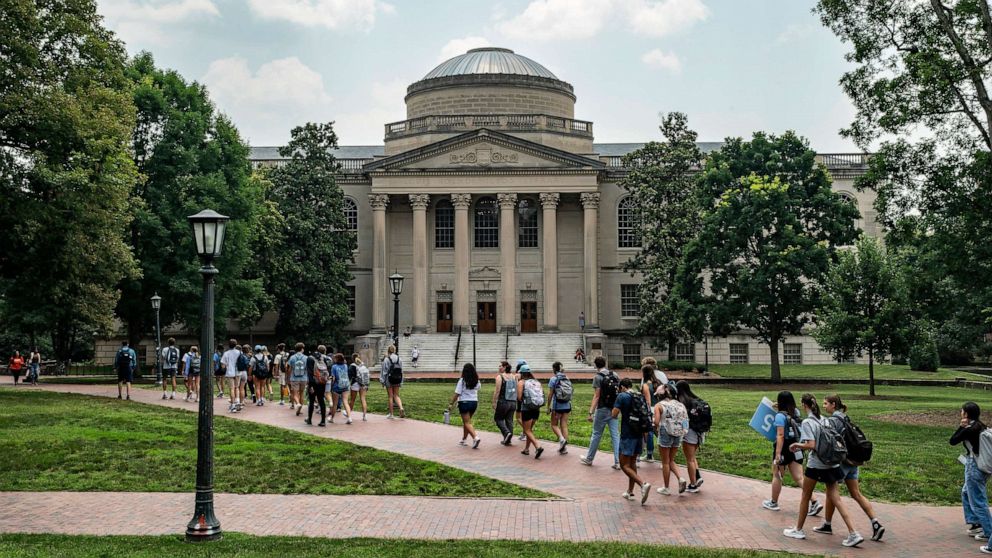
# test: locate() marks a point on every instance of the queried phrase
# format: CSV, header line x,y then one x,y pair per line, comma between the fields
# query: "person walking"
x,y
229,362
191,372
467,396
530,398
34,364
391,376
259,372
834,407
560,388
974,497
219,373
318,374
505,402
818,471
414,355
340,388
245,377
360,385
299,365
520,364
16,366
630,442
125,362
672,422
170,367
649,384
605,386
787,432
280,369
700,420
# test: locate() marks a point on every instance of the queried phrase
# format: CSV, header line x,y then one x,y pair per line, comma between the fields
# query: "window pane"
x,y
632,353
351,301
630,303
685,352
486,223
738,353
792,353
527,236
444,225
627,236
351,214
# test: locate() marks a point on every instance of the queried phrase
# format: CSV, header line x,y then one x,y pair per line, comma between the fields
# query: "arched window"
x,y
351,214
627,234
486,223
444,224
527,231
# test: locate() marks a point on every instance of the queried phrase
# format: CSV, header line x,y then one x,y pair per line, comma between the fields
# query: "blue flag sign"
x,y
763,420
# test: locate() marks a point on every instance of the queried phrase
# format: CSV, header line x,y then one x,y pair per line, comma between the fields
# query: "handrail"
x,y
458,346
506,346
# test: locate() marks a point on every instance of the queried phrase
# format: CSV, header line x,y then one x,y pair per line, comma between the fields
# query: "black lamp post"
x,y
208,232
156,305
396,286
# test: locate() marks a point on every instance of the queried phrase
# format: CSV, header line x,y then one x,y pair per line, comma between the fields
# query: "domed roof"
x,y
489,60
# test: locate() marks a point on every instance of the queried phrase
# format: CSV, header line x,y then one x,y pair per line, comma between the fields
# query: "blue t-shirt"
x,y
790,431
555,405
216,362
338,371
625,402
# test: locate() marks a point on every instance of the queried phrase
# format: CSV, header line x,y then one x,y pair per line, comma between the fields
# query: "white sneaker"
x,y
522,437
853,539
389,416
682,485
616,466
794,533
585,461
627,496
645,492
173,396
462,443
664,491
348,421
770,505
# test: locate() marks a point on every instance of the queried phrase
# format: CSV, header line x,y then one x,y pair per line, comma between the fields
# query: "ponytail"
x,y
809,400
835,399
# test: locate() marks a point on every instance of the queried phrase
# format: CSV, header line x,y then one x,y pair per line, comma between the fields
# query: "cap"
x,y
524,368
521,362
258,348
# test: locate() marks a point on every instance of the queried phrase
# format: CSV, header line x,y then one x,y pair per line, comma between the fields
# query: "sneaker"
x,y
364,419
794,533
682,486
692,488
522,437
475,444
771,505
187,397
649,459
299,410
974,529
824,529
508,439
537,454
402,413
583,460
814,508
664,491
119,397
164,396
281,404
462,443
220,395
877,531
645,492
985,549
525,452
699,480
627,496
308,421
322,424
853,539
348,421
128,397
561,445
173,396
616,466
981,537
389,416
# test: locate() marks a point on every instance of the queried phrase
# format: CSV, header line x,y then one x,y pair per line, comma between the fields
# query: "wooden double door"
x,y
444,317
486,314
528,316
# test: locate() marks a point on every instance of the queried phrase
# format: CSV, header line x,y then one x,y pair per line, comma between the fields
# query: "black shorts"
x,y
526,415
826,476
168,372
561,411
787,456
467,407
262,375
125,376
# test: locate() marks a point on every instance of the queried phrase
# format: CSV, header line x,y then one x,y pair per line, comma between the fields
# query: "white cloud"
x,y
662,60
332,14
281,94
454,47
365,127
660,18
547,20
794,32
140,23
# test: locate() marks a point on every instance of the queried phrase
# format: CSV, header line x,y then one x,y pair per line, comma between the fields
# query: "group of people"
x,y
17,365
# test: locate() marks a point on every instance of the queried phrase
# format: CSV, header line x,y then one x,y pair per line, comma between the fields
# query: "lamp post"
x,y
156,305
396,286
474,327
208,233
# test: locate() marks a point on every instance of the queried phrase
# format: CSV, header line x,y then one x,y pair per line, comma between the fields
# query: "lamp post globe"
x,y
156,305
208,237
396,287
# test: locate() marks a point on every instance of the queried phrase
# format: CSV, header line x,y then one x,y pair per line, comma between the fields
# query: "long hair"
x,y
787,403
647,374
837,403
469,376
809,400
972,411
685,392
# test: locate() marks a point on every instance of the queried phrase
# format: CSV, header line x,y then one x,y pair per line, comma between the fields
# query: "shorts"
x,y
787,456
262,375
826,476
467,407
850,471
282,379
338,391
630,447
122,375
297,384
694,438
191,374
241,378
665,440
564,411
169,372
526,415
358,387
392,383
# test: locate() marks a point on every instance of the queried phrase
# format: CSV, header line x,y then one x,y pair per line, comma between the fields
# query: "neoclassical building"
x,y
499,209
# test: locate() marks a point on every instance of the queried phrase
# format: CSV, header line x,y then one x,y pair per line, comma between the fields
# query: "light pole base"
x,y
201,537
203,528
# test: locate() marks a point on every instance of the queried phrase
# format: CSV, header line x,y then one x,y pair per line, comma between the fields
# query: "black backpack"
x,y
172,357
859,448
123,361
395,374
700,416
640,418
830,447
608,389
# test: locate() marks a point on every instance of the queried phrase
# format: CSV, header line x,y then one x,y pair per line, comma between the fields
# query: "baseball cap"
x,y
521,362
524,368
258,348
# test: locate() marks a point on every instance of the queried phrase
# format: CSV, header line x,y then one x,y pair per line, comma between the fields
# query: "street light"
x,y
208,234
396,286
156,305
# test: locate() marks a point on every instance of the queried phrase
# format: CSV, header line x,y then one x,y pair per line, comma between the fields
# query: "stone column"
x,y
421,290
380,280
508,260
549,203
462,316
590,253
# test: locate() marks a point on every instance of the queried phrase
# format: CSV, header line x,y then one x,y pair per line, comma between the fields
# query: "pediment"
x,y
482,150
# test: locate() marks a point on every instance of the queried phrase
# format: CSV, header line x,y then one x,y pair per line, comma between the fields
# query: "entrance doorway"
x,y
528,316
444,317
487,317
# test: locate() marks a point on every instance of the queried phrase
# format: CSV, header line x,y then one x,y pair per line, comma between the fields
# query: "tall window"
x,y
527,235
630,302
632,354
486,223
685,352
444,224
738,353
351,214
627,234
792,353
351,301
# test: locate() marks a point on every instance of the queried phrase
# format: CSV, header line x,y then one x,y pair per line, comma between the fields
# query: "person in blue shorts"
x,y
630,443
560,388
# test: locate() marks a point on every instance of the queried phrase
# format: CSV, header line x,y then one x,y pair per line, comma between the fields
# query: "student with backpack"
x,y
298,364
360,385
318,374
219,373
531,398
230,362
340,388
520,364
635,419
279,369
787,432
561,391
649,384
125,362
259,369
244,376
834,407
392,378
977,441
467,396
191,373
672,421
170,367
821,437
605,386
700,421
505,402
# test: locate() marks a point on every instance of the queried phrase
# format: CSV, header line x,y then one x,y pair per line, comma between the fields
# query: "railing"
x,y
612,161
504,122
354,165
506,346
844,159
458,346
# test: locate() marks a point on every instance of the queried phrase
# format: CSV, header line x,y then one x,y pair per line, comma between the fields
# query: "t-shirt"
x,y
465,394
782,422
338,370
415,354
230,362
217,362
625,402
809,429
187,358
294,376
166,353
555,405
597,382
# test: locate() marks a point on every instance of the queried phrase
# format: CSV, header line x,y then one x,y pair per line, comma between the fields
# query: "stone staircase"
x,y
541,350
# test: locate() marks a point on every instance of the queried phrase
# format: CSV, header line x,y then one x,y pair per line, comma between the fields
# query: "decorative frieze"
x,y
484,156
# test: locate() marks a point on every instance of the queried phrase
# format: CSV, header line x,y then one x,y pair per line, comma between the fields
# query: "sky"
x,y
733,66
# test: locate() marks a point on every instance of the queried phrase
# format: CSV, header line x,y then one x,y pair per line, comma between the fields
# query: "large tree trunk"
x,y
672,340
871,371
776,369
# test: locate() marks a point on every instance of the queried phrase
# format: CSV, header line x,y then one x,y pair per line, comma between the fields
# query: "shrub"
x,y
682,365
923,355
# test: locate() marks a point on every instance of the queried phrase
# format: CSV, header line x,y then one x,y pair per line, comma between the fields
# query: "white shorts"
x,y
282,379
242,378
358,387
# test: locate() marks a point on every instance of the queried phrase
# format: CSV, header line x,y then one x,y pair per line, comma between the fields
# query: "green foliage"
x,y
662,184
769,231
923,355
309,276
66,116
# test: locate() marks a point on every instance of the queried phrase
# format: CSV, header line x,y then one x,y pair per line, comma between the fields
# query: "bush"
x,y
923,355
683,366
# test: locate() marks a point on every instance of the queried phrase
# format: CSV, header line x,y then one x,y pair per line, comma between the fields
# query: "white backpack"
x,y
984,459
533,395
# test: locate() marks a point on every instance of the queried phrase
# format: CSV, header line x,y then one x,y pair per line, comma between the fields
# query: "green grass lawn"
x,y
51,441
911,463
245,546
839,372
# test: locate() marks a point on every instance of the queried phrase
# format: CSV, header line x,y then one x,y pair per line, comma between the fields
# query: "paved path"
x,y
727,513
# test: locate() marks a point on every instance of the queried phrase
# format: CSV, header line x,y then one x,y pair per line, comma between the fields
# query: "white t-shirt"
x,y
165,357
230,362
465,394
415,353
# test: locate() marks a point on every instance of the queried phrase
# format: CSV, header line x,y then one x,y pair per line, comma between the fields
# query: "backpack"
x,y
509,389
608,389
300,367
858,446
563,389
261,365
700,416
640,415
122,362
172,357
194,364
343,381
984,459
320,369
830,447
676,424
243,362
353,373
362,376
533,395
395,373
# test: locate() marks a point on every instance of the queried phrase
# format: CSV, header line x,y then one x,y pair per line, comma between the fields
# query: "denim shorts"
x,y
630,447
850,471
667,441
467,407
694,438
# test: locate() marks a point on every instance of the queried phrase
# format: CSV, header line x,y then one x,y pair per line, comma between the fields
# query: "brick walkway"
x,y
727,513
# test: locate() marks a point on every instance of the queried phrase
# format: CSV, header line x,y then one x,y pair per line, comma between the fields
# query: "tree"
x,y
66,116
309,278
769,231
662,184
863,306
921,88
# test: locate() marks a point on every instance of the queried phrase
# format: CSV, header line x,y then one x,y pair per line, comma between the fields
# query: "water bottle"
x,y
447,416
